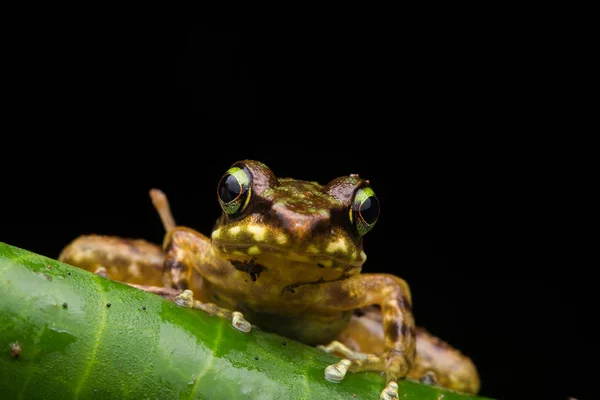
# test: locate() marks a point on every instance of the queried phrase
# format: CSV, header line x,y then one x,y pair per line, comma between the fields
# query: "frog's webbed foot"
x,y
336,372
429,378
355,361
390,392
186,299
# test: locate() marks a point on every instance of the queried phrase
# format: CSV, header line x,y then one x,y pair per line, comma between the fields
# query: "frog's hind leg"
x,y
441,364
134,261
161,204
436,362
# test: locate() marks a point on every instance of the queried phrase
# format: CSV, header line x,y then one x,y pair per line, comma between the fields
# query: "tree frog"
x,y
286,255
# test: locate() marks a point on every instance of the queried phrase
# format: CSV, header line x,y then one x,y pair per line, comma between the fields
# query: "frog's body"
x,y
288,254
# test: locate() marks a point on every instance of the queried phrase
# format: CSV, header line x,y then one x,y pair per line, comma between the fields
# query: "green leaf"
x,y
66,333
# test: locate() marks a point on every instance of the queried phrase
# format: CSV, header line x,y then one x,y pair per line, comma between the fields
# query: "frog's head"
x,y
271,220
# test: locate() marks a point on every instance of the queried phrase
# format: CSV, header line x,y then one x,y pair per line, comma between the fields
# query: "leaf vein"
x,y
209,361
101,327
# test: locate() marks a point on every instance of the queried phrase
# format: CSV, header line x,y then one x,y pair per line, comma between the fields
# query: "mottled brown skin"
x,y
290,262
436,361
127,260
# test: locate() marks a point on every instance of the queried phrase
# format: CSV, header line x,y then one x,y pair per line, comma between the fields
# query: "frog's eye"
x,y
234,190
364,210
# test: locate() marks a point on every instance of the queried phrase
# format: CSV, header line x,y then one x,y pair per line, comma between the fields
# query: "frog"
x,y
286,255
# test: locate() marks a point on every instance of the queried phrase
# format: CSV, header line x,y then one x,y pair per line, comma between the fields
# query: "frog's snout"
x,y
298,223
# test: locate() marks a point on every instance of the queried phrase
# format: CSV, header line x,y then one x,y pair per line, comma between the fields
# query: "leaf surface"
x,y
66,333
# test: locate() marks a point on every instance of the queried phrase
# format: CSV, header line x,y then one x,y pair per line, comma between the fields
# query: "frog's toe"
x,y
429,378
101,271
345,351
390,392
185,299
239,322
336,372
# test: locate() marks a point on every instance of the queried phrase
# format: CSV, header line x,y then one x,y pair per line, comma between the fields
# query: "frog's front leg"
x,y
187,253
393,295
186,299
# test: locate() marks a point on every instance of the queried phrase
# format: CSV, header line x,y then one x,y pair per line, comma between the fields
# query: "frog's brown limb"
x,y
393,296
446,365
134,261
436,362
186,299
126,260
188,252
161,204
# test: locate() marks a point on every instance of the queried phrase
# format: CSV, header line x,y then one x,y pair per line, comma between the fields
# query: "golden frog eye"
x,y
364,211
234,190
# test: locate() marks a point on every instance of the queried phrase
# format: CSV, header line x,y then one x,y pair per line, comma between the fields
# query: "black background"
x,y
99,118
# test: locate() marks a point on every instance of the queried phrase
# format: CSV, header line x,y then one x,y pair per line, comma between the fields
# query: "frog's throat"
x,y
273,256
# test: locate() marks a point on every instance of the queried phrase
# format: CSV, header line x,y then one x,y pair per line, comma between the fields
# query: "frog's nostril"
x,y
300,226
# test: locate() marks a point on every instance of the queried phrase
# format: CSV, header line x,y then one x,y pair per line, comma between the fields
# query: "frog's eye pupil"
x,y
229,189
369,210
364,211
234,191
